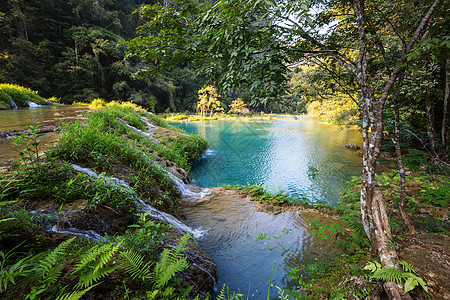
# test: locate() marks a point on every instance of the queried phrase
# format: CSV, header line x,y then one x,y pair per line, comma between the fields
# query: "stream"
x,y
303,158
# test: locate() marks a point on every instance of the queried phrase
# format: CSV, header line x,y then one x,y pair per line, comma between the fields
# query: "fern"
x,y
171,261
405,266
76,294
397,275
133,263
389,274
47,264
221,296
93,264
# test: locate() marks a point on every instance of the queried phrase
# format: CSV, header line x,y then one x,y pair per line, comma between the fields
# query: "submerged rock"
x,y
352,146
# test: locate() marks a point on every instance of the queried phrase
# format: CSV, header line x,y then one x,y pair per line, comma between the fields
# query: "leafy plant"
x,y
436,196
396,275
145,235
28,146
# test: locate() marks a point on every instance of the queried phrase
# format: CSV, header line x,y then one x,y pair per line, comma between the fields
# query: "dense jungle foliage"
x,y
71,50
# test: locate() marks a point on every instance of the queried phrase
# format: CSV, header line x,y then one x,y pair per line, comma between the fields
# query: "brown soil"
x,y
429,255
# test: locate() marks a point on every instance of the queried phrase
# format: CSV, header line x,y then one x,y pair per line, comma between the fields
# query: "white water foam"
x,y
146,134
148,124
32,104
141,205
89,234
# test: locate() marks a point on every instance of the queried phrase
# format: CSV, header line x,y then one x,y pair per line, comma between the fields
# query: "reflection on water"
x,y
243,262
274,154
6,147
277,155
41,115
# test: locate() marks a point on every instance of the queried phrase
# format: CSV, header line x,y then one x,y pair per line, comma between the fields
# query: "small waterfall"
x,y
148,124
14,105
32,104
89,234
147,135
185,190
142,206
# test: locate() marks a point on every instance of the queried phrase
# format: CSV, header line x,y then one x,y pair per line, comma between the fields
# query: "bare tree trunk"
x,y
401,169
429,113
446,96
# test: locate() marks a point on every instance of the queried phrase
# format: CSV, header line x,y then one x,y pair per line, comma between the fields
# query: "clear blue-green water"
x,y
279,155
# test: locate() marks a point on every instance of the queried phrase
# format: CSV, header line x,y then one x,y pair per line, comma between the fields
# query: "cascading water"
x,y
51,216
148,124
14,105
147,135
179,184
144,207
184,189
32,104
89,234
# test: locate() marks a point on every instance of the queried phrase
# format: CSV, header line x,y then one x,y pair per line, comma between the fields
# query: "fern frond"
x,y
181,246
105,257
76,294
48,262
406,267
373,266
152,294
169,271
87,279
389,274
171,261
53,275
222,293
133,264
91,256
93,264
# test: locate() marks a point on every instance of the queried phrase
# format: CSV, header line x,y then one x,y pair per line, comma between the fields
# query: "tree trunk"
x,y
373,209
429,113
446,96
401,169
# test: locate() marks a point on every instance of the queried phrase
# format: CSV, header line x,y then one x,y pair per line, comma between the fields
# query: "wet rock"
x,y
352,146
10,133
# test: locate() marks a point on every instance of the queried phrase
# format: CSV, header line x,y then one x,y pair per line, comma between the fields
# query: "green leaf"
x,y
410,284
